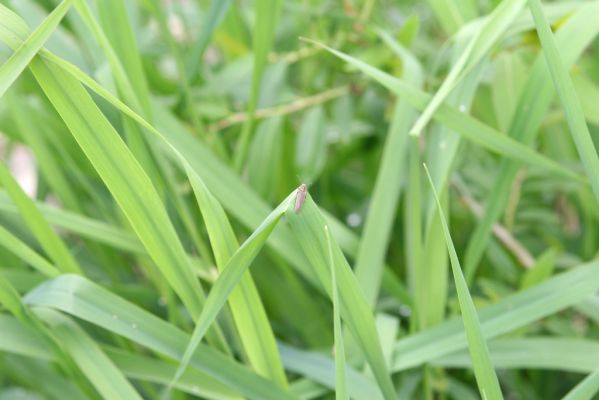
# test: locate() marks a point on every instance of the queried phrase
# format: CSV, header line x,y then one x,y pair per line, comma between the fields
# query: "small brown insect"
x,y
300,197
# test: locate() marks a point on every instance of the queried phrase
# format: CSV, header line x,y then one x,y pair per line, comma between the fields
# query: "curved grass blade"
x,y
568,97
512,312
369,264
466,126
586,389
308,228
27,254
18,61
321,369
86,300
245,304
341,392
573,37
483,368
267,13
217,11
545,353
124,177
493,27
47,238
226,186
88,356
228,280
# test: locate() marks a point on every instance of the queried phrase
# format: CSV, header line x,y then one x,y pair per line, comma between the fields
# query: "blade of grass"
x,y
47,238
510,313
453,14
341,392
88,356
462,124
86,300
27,254
321,369
483,368
228,280
573,37
373,244
267,13
568,97
216,13
586,389
493,27
307,225
18,61
247,309
225,184
544,353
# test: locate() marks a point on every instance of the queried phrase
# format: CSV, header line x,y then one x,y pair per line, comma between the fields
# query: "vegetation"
x,y
157,241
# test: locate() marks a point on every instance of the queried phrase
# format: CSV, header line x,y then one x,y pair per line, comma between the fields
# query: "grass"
x,y
165,250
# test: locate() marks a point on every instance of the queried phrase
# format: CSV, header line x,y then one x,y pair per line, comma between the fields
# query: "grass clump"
x,y
226,200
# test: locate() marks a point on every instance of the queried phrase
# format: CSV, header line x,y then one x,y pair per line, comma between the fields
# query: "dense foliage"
x,y
155,241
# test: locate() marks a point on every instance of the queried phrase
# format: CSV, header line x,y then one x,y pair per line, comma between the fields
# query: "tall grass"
x,y
160,246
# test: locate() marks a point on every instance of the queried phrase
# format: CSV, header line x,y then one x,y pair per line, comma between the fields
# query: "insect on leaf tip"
x,y
300,197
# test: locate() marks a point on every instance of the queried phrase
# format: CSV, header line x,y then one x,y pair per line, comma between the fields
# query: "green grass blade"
x,y
452,14
27,254
47,238
88,356
18,61
568,97
267,14
148,369
341,392
124,177
374,241
493,27
508,314
86,300
483,368
462,124
536,97
228,280
544,353
47,160
217,11
320,368
246,306
83,226
586,389
308,228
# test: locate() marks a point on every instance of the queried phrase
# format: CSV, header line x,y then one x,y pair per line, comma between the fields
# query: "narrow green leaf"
x,y
124,177
307,225
48,239
461,123
569,100
536,97
341,392
267,14
586,389
217,11
228,280
493,27
86,300
18,61
27,254
247,308
88,356
483,368
369,264
510,313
